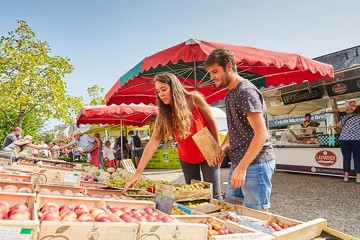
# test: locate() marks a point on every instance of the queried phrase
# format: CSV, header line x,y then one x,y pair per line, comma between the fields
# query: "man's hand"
x,y
238,177
218,160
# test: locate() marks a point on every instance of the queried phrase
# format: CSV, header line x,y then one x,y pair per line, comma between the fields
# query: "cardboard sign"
x,y
164,203
207,145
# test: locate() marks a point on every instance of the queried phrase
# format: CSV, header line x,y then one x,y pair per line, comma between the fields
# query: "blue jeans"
x,y
256,191
348,148
210,174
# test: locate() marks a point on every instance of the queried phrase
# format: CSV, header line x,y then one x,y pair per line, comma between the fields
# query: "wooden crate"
x,y
128,165
55,177
60,189
85,230
20,229
240,232
18,185
57,168
185,195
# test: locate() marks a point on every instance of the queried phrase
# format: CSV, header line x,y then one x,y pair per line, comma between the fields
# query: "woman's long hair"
x,y
177,115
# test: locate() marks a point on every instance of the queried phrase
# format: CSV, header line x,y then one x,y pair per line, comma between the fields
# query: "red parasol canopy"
x,y
132,114
186,60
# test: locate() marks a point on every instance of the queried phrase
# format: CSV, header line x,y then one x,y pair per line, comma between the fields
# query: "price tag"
x,y
15,233
164,203
71,177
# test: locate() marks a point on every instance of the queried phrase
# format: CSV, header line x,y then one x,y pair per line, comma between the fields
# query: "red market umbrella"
x,y
186,60
132,114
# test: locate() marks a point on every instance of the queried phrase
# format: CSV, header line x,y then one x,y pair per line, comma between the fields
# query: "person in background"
x,y
77,153
136,151
87,143
109,155
121,152
251,153
350,142
44,152
182,114
100,147
19,145
12,137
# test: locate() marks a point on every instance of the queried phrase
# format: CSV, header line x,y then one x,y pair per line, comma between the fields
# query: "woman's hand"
x,y
133,181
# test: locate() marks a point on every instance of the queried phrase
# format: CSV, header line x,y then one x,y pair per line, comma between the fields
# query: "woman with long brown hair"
x,y
181,114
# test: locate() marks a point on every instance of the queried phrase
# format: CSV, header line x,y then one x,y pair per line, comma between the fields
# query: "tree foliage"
x,y
96,94
31,80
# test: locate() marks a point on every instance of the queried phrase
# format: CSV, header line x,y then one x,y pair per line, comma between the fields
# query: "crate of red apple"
x,y
16,187
18,215
80,218
14,176
154,224
44,189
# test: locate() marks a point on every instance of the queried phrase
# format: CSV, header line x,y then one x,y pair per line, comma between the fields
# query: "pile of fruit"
x,y
145,215
80,213
14,189
19,211
194,186
216,228
120,183
277,225
176,211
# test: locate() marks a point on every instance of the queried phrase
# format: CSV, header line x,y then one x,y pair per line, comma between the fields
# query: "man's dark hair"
x,y
221,56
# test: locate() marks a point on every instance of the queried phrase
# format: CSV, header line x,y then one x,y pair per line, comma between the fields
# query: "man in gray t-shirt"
x,y
251,153
12,137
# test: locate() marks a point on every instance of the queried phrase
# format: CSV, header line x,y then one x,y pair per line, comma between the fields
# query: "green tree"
x,y
31,80
96,94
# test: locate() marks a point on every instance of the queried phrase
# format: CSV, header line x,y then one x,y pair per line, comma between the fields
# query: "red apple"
x,y
56,193
151,218
65,206
159,216
115,209
49,207
80,212
19,206
166,219
24,190
81,206
20,211
142,219
95,211
101,215
50,216
19,216
45,191
68,214
149,210
4,214
86,218
104,219
125,209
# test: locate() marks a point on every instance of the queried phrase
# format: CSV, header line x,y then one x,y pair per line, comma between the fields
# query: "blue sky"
x,y
104,39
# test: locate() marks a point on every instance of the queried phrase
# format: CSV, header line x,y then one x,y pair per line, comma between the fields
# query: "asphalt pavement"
x,y
301,197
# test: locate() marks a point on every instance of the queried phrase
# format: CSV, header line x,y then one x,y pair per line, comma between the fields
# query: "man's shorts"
x,y
136,153
256,191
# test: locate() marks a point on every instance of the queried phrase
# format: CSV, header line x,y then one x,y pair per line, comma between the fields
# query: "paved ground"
x,y
301,196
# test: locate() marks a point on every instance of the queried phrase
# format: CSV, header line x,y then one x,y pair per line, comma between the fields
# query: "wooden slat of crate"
x,y
183,231
86,184
15,177
85,230
304,231
338,234
261,215
241,232
128,165
105,193
57,168
18,185
32,224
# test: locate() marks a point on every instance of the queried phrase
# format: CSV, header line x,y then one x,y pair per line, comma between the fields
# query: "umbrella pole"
x,y
121,140
196,85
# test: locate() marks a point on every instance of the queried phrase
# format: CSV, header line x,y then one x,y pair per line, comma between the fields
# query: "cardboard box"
x,y
20,229
55,177
185,195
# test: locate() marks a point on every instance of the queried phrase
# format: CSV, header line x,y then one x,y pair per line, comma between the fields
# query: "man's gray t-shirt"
x,y
10,138
240,101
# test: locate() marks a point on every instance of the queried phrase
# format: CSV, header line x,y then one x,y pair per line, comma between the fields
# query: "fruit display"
x,y
278,225
194,204
19,211
176,211
80,213
14,189
194,186
106,194
16,176
225,207
147,214
120,183
66,192
216,228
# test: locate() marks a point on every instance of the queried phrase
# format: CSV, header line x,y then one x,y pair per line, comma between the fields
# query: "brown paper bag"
x,y
207,145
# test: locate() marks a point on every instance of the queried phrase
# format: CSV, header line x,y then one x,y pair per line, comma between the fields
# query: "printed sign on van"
x,y
325,158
